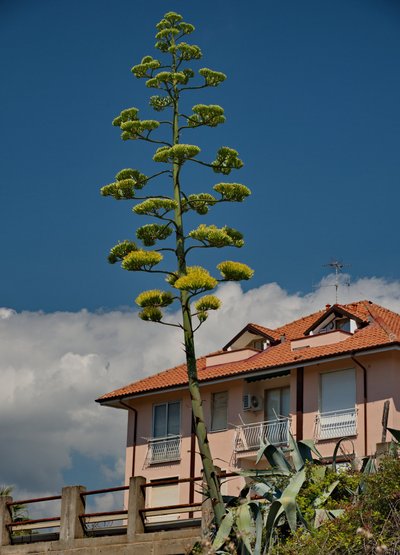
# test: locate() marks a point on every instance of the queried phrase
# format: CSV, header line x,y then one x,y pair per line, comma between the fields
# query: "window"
x,y
338,390
162,496
277,403
219,411
167,419
337,417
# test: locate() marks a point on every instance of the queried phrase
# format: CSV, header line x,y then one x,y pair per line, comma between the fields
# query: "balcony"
x,y
336,424
249,436
163,449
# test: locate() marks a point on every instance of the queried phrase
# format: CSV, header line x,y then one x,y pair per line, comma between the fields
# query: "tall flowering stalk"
x,y
173,79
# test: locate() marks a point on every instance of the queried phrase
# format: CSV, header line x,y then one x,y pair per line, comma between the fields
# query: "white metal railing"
x,y
336,423
249,436
163,449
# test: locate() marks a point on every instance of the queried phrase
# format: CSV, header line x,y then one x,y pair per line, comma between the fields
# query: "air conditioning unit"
x,y
251,402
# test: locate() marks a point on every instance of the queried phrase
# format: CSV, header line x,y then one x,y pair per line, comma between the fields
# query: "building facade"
x,y
329,375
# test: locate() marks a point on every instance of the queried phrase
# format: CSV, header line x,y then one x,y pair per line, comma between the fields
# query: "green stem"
x,y
210,475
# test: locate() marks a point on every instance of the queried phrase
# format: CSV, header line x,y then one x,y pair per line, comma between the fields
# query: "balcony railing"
x,y
164,449
249,436
335,424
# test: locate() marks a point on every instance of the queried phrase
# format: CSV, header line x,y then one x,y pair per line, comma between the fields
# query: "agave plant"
x,y
255,521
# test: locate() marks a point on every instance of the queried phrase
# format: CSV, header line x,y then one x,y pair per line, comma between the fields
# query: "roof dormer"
x,y
334,319
251,337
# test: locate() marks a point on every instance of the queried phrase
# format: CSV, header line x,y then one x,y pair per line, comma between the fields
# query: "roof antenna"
x,y
338,266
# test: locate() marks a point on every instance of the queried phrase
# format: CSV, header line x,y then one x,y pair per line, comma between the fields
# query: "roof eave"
x,y
112,402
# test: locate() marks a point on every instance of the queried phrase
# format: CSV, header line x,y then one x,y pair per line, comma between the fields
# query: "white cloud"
x,y
53,366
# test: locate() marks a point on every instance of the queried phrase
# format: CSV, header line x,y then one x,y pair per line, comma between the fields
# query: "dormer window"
x,y
335,324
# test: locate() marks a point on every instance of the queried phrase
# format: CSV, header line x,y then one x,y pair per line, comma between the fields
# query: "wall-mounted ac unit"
x,y
251,402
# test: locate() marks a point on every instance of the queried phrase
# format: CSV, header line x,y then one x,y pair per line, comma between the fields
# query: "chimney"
x,y
282,338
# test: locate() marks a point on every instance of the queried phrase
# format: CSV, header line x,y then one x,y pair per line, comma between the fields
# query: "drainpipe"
x,y
134,434
192,461
365,400
299,403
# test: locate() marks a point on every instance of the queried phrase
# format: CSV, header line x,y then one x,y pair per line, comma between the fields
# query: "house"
x,y
333,374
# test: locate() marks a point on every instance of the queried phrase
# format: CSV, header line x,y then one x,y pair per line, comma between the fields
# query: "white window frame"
x,y
212,429
167,403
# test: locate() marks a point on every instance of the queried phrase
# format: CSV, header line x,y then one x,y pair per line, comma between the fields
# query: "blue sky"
x,y
312,106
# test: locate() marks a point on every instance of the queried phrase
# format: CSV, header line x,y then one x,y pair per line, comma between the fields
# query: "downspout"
x,y
299,403
365,400
134,434
192,462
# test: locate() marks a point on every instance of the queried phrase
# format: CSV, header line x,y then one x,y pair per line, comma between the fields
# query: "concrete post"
x,y
135,504
72,506
5,518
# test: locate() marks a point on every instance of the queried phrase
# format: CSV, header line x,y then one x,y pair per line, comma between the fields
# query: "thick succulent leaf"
x,y
244,523
288,498
224,530
395,433
368,467
324,515
263,473
317,473
296,455
265,490
275,457
259,531
306,447
274,513
335,452
325,494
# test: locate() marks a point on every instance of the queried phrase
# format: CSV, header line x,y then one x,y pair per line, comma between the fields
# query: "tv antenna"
x,y
338,266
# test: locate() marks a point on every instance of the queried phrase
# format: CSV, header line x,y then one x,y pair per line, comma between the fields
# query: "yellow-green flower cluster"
x,y
212,236
200,203
177,153
210,115
227,159
212,78
233,192
120,250
172,77
141,260
170,26
147,64
154,298
159,103
234,271
150,233
188,51
208,302
154,206
134,129
129,114
151,314
197,279
127,181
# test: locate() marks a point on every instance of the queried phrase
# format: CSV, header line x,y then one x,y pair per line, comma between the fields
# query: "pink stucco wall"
x,y
383,372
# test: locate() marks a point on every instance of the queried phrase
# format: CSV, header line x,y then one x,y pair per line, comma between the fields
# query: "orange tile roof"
x,y
380,327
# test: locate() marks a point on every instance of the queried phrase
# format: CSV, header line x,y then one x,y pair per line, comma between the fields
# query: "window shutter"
x,y
219,411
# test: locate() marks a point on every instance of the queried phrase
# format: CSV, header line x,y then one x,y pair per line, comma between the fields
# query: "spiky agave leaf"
x,y
224,530
234,271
